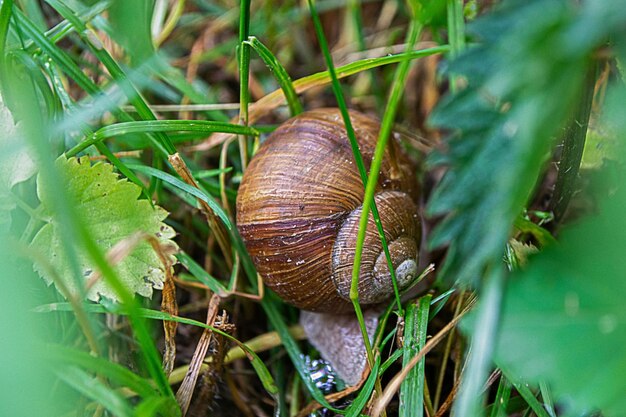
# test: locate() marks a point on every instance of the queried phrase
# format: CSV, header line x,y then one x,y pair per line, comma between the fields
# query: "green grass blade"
x,y
68,66
155,406
5,18
456,26
370,63
34,11
61,58
123,168
96,390
567,181
164,176
391,359
294,352
456,32
52,104
501,401
530,398
124,128
64,28
365,392
201,275
114,69
547,399
281,75
470,400
115,373
412,388
258,365
243,56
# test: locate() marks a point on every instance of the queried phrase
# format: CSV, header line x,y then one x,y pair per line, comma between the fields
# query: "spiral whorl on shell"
x,y
299,205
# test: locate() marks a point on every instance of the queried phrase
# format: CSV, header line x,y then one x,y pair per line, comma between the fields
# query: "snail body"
x,y
299,206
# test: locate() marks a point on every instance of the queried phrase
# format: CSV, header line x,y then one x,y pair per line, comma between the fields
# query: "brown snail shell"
x,y
299,205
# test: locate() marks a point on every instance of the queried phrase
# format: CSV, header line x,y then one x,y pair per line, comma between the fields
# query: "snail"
x,y
298,211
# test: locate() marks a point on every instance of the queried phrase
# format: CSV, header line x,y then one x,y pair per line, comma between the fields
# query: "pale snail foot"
x,y
339,340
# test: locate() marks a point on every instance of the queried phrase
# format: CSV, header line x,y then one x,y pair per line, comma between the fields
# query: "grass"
x,y
178,97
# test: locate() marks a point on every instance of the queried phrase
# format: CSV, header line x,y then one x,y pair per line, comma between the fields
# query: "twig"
x,y
183,396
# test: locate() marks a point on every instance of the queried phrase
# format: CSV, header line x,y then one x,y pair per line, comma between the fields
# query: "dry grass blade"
x,y
169,306
183,396
215,225
446,354
394,385
125,247
449,400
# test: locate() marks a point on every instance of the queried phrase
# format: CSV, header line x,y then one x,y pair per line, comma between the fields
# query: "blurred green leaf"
x,y
564,317
112,213
523,81
131,23
16,165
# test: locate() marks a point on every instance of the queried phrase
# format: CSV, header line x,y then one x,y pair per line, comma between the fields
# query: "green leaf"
x,y
564,317
110,209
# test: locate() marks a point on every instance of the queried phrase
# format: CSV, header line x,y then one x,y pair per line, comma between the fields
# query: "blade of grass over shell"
x,y
397,87
412,388
278,323
280,74
114,69
243,57
362,172
124,128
